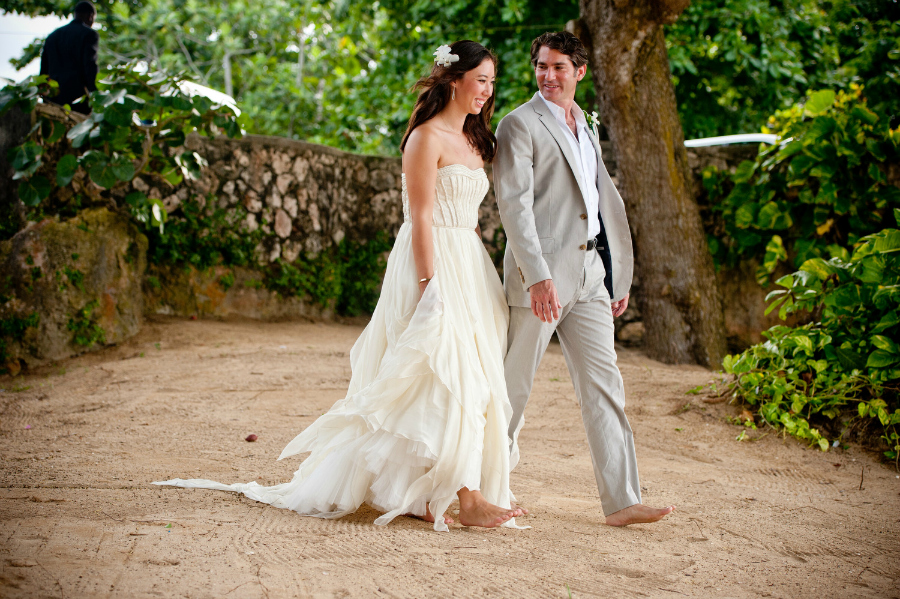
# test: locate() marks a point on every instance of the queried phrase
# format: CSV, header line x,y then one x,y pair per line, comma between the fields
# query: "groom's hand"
x,y
544,301
619,307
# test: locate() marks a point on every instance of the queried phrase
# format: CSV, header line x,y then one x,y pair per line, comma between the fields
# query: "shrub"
x,y
842,369
815,193
138,125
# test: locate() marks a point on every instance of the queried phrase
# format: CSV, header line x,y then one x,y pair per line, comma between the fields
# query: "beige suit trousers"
x,y
586,335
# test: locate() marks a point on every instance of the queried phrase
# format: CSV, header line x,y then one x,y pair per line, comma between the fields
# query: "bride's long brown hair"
x,y
435,91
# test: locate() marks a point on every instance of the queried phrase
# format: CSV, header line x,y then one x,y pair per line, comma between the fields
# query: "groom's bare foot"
x,y
638,514
476,511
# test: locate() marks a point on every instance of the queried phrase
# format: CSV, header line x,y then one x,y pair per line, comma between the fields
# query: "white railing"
x,y
765,138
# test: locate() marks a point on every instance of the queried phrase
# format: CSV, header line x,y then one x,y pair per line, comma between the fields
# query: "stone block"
x,y
283,183
381,180
289,203
281,163
82,276
252,202
282,224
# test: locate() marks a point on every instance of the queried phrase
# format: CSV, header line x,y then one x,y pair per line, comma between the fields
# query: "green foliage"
x,y
85,329
361,272
816,193
75,277
736,62
12,328
338,73
138,125
845,364
348,274
203,238
332,72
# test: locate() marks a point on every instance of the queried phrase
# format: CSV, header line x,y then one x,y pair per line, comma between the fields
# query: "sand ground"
x,y
82,440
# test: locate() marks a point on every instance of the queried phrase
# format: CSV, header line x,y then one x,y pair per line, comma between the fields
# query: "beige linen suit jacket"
x,y
543,210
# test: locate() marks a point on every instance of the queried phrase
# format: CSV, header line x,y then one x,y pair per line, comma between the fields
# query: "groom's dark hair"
x,y
563,42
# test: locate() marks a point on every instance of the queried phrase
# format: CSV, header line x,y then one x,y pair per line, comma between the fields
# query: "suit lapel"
x,y
549,121
600,164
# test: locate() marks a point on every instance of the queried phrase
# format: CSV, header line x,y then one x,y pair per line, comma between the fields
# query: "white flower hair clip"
x,y
443,57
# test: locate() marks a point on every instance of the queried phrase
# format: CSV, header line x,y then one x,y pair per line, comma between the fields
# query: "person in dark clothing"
x,y
70,58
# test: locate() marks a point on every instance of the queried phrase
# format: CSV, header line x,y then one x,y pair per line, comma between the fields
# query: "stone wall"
x,y
307,197
303,198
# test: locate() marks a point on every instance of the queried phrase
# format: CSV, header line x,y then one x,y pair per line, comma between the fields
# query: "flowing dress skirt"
x,y
426,412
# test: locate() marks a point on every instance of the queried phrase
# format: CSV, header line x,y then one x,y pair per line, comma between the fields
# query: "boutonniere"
x,y
593,120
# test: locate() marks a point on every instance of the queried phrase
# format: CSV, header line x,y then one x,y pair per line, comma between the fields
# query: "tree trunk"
x,y
679,300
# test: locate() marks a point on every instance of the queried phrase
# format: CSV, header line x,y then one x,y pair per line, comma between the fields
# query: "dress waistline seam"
x,y
406,222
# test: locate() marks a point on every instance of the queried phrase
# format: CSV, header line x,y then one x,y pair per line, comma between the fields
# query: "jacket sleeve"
x,y
91,49
514,188
45,60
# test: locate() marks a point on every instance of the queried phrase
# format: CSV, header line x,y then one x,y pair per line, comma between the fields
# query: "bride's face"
x,y
476,87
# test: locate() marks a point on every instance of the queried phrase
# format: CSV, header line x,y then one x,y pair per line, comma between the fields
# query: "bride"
x,y
426,414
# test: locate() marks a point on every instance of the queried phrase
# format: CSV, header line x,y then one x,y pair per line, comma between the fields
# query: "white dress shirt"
x,y
586,157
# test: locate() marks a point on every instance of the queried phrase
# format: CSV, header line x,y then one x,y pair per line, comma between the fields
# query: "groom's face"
x,y
557,76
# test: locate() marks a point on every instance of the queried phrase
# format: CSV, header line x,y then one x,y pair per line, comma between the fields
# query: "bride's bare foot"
x,y
474,510
429,518
638,514
513,506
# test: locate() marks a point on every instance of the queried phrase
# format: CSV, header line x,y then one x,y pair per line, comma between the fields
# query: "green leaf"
x,y
66,169
875,148
768,215
744,172
743,217
775,253
882,342
881,359
845,296
80,132
871,269
804,342
849,359
819,102
56,133
173,176
821,269
22,156
136,199
822,170
876,174
113,97
864,114
891,319
118,116
32,191
103,175
887,240
123,169
29,170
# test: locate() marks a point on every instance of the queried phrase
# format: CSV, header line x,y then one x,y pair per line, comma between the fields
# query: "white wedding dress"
x,y
426,412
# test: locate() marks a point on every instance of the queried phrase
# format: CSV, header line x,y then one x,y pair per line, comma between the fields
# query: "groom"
x,y
568,265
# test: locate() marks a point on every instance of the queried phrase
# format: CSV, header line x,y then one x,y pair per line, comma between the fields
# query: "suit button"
x,y
582,247
584,217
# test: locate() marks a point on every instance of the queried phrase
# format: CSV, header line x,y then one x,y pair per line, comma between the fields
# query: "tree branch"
x,y
187,56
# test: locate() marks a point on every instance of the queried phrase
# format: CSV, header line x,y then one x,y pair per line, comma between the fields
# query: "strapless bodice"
x,y
458,193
